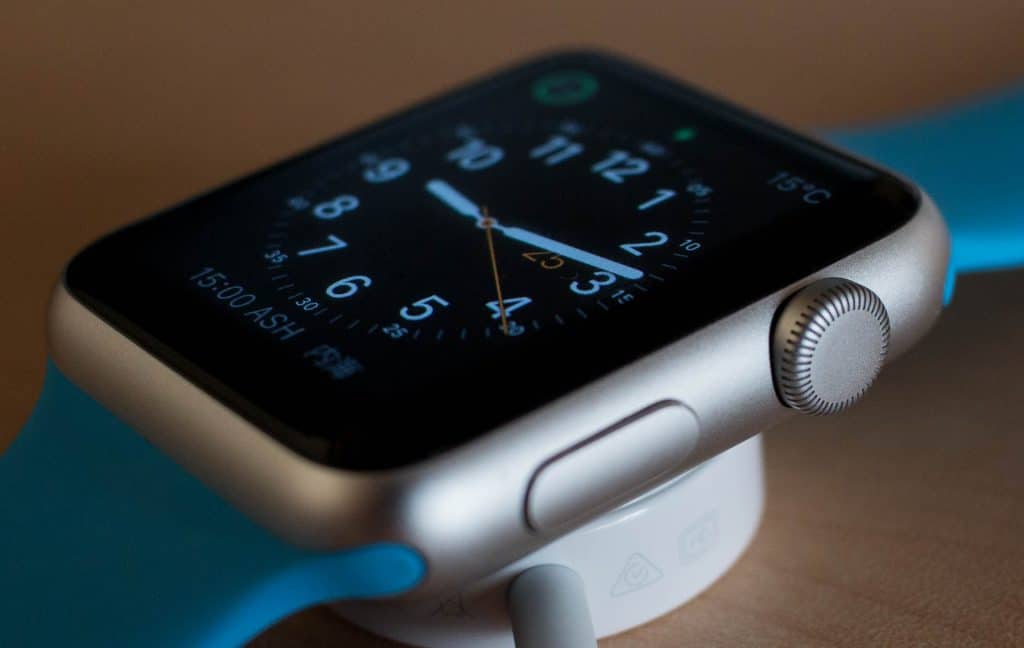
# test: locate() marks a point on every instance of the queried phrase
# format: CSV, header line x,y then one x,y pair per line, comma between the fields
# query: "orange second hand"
x,y
494,269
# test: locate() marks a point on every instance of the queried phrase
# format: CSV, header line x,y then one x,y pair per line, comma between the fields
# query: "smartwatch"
x,y
399,361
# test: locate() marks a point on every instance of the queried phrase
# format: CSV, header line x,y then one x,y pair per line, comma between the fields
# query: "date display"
x,y
333,362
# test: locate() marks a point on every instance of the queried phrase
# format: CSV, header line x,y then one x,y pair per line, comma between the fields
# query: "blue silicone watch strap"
x,y
104,541
969,159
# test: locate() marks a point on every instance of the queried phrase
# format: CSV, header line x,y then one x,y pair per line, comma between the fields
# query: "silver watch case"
x,y
464,510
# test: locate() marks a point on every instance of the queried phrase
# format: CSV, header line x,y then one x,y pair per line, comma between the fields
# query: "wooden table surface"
x,y
899,523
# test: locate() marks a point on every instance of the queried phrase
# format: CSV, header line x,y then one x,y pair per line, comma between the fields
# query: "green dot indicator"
x,y
684,134
565,88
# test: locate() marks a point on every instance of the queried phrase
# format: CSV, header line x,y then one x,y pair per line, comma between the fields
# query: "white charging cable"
x,y
635,564
548,608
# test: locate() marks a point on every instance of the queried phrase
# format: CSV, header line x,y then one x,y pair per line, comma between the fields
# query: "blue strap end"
x,y
970,160
107,542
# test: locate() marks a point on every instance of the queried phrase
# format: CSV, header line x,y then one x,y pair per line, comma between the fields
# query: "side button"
x,y
612,466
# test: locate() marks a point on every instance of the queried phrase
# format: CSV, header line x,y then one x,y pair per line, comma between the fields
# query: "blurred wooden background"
x,y
899,523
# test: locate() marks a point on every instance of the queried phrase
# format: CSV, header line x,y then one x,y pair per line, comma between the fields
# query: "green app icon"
x,y
565,88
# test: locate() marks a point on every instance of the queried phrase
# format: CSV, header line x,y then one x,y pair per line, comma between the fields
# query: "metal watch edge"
x,y
464,510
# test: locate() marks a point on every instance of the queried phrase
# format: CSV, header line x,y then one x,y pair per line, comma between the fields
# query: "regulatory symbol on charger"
x,y
699,537
453,606
638,573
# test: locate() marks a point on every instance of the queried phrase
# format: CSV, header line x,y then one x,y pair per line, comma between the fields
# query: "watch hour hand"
x,y
452,197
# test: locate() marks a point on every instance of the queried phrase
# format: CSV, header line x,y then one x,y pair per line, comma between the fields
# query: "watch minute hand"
x,y
452,197
570,252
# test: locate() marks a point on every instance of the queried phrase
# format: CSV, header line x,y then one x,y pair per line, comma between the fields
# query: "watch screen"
x,y
409,287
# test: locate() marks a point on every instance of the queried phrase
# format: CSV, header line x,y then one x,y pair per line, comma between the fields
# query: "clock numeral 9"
x,y
421,309
386,170
600,280
344,288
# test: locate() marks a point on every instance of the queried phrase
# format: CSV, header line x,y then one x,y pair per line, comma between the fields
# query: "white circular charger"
x,y
637,562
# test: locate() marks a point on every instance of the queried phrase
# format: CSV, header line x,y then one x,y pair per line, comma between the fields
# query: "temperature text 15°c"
x,y
809,192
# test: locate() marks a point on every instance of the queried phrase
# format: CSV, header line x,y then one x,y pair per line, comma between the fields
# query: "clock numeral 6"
x,y
343,288
600,280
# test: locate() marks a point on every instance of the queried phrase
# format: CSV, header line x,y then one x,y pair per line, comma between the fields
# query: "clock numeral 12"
x,y
620,164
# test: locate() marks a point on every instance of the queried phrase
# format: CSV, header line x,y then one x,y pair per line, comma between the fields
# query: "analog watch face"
x,y
479,231
410,287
